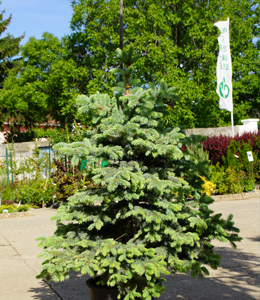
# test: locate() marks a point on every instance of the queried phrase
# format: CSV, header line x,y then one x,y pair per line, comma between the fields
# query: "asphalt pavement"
x,y
237,277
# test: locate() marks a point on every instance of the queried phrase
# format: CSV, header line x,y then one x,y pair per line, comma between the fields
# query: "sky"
x,y
33,17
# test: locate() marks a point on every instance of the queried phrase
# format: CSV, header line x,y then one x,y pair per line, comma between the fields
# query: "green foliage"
x,y
16,136
32,192
10,208
3,176
147,213
33,164
229,180
70,133
68,180
14,208
22,208
198,152
178,42
27,185
237,174
9,50
8,192
46,84
36,192
57,134
237,158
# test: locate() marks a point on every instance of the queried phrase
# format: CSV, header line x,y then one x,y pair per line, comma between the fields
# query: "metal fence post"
x,y
11,165
7,166
29,186
49,158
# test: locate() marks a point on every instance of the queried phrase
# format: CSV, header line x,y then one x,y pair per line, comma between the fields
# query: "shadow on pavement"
x,y
45,292
255,239
237,278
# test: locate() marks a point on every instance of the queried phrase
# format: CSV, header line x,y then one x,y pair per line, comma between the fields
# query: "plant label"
x,y
250,156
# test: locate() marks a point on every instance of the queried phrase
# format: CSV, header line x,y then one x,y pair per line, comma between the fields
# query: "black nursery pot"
x,y
100,292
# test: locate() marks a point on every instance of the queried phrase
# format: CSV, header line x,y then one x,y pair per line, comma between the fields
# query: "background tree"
x,y
46,84
9,50
178,42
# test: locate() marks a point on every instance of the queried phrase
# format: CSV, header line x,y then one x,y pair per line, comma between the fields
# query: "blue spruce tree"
x,y
146,214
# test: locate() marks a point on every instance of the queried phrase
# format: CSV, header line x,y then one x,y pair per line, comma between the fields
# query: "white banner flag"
x,y
224,68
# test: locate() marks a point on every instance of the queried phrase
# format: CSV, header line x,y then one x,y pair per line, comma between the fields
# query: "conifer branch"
x,y
119,237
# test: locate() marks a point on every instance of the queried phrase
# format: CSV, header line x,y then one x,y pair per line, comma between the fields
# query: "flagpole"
x,y
232,123
232,117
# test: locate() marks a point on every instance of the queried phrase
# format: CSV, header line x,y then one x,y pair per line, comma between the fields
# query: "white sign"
x,y
224,68
250,156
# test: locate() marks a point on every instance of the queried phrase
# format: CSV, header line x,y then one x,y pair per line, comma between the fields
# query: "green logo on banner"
x,y
224,89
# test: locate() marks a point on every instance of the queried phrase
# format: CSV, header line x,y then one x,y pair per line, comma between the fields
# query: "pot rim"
x,y
91,283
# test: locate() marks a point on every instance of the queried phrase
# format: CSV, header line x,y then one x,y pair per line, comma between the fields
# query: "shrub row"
x,y
71,133
217,146
231,171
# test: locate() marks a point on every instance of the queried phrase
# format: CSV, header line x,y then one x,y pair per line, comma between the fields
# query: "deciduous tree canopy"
x,y
46,85
178,42
9,49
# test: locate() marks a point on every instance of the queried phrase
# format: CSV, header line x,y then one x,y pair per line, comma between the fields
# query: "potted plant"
x,y
146,214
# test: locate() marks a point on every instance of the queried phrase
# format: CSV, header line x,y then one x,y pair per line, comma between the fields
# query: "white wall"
x,y
1,137
249,125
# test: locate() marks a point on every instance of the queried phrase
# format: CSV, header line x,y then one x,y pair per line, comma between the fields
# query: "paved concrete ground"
x,y
237,278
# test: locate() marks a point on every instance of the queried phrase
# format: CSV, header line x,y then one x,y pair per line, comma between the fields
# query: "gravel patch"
x,y
16,214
